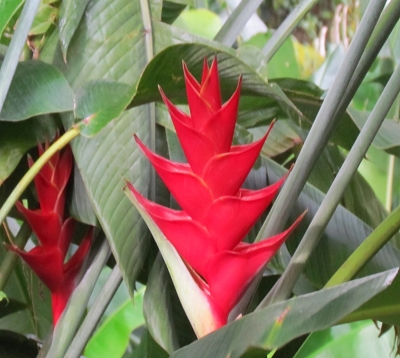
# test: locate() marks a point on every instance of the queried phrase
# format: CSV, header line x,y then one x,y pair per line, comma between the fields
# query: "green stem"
x,y
286,282
237,21
10,258
371,245
31,173
94,315
389,187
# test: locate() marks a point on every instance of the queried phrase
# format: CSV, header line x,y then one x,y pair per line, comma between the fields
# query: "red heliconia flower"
x,y
54,232
216,212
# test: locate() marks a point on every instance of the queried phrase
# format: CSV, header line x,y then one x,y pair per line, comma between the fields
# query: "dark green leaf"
x,y
37,88
14,345
279,323
71,12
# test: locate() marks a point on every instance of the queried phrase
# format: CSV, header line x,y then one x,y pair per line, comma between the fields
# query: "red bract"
x,y
216,212
54,232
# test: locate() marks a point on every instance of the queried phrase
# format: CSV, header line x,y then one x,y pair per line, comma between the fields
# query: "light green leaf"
x,y
98,103
201,22
7,10
71,12
356,340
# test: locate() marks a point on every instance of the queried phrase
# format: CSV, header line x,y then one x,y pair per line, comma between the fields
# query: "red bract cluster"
x,y
54,232
216,212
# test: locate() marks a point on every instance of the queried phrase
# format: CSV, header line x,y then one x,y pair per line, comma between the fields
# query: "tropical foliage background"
x,y
325,70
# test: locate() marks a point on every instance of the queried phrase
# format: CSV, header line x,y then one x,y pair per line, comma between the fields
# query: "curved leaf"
x,y
37,88
279,323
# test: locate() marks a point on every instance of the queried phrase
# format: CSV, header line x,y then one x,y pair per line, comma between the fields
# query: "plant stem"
x,y
237,21
94,315
285,284
286,28
371,245
389,187
31,173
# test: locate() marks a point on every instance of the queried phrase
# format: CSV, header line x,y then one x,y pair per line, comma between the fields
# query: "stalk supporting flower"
x,y
54,232
216,212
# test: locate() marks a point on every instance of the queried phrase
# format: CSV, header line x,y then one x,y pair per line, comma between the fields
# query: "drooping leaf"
x,y
37,88
279,323
104,161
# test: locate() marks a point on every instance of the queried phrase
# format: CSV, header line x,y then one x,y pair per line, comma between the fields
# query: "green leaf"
x,y
7,10
230,69
99,102
71,12
37,88
201,22
356,340
384,307
95,53
45,17
279,323
112,337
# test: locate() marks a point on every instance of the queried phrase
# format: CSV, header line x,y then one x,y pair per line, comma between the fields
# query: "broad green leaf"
x,y
71,12
37,88
98,103
112,337
114,51
170,11
201,22
230,69
356,340
7,10
16,138
384,307
279,323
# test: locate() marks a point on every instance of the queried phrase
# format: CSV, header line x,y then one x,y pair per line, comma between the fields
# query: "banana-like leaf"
x,y
36,88
279,323
7,10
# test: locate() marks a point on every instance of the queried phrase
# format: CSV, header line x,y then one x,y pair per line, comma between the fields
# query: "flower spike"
x,y
216,212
